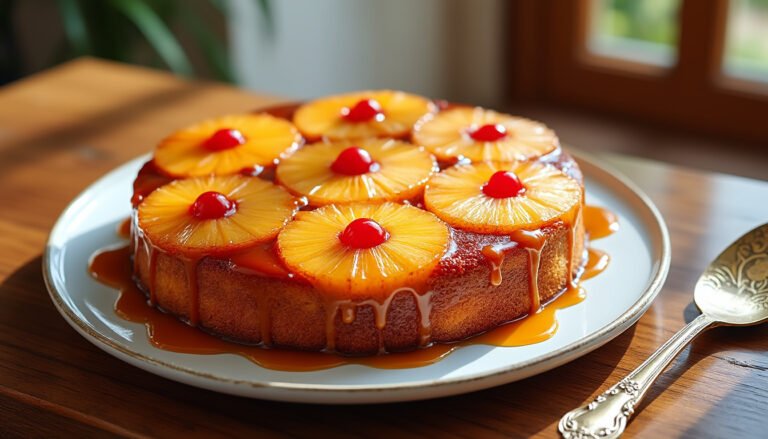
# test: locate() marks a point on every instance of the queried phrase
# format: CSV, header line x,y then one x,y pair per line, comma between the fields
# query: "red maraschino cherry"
x,y
212,205
489,133
353,161
503,184
363,111
363,233
224,138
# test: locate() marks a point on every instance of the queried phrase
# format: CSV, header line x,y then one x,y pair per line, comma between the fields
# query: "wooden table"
x,y
61,129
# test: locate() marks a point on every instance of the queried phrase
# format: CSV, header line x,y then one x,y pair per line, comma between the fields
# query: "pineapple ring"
x,y
262,210
448,136
322,117
403,171
456,196
310,246
267,139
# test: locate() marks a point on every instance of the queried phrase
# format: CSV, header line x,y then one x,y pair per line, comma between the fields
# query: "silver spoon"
x,y
732,291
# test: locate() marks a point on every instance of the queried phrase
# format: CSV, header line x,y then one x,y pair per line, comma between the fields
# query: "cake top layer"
x,y
360,189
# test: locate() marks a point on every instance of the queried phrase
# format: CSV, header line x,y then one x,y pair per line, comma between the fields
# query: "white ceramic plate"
x,y
640,255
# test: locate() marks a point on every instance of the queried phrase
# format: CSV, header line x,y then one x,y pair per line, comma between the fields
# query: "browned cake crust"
x,y
287,312
459,300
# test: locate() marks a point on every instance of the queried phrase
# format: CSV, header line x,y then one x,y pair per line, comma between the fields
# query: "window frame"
x,y
550,61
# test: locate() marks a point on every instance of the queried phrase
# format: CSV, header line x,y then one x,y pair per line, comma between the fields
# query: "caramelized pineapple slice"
x,y
364,250
227,145
483,135
496,197
371,170
214,215
381,113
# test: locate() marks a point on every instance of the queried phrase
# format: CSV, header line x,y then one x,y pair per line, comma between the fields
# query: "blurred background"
x,y
682,81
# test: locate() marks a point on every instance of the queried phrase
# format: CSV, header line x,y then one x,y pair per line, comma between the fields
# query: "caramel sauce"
x,y
260,259
424,302
165,331
534,328
600,222
150,177
533,242
348,313
124,229
597,262
348,310
113,267
495,256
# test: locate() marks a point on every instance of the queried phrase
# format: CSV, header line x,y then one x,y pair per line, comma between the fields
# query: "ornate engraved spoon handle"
x,y
608,414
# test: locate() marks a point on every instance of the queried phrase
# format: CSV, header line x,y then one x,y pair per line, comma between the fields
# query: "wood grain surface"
x,y
62,129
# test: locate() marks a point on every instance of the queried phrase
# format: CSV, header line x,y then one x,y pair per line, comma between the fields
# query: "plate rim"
x,y
552,359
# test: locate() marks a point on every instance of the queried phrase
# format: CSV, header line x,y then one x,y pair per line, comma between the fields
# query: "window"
x,y
746,48
642,31
694,64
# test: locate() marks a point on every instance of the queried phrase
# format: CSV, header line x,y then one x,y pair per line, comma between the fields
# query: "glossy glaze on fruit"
x,y
226,145
371,170
478,134
364,114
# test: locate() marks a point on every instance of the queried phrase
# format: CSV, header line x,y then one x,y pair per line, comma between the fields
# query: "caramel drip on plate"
x,y
600,222
597,262
534,328
113,267
533,242
124,228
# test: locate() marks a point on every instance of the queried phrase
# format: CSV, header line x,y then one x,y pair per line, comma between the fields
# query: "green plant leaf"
x,y
214,50
157,34
268,18
74,26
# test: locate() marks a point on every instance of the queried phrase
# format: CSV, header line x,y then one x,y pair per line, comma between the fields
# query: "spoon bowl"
x,y
733,290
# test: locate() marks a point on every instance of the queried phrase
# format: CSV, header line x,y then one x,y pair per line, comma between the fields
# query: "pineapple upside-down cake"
x,y
363,223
